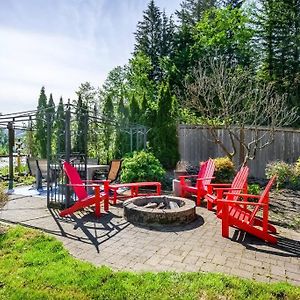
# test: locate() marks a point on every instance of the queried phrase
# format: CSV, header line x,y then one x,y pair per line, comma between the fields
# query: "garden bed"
x,y
285,208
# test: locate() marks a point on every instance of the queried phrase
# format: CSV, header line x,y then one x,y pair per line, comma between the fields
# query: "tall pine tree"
x,y
277,23
154,38
191,11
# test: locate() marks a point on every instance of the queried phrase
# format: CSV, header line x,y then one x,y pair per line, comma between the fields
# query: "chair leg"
x,y
271,228
198,202
225,221
209,205
182,192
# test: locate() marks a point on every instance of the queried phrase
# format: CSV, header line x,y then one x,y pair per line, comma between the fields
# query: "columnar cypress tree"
x,y
81,113
108,112
165,131
134,110
60,127
122,142
41,125
51,113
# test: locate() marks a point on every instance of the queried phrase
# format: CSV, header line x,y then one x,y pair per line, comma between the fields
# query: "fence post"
x,y
86,124
48,155
11,142
68,149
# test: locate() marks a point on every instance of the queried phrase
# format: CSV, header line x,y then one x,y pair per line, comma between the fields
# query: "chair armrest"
x,y
227,189
205,178
84,185
244,195
95,181
220,184
240,202
186,176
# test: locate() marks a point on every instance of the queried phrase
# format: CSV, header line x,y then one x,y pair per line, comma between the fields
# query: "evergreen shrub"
x,y
141,166
254,189
283,171
224,169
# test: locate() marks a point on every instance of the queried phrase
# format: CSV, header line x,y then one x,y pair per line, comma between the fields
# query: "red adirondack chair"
x,y
85,200
204,178
236,214
216,190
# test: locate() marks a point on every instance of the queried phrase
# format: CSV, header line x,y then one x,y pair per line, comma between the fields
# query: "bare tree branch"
x,y
233,98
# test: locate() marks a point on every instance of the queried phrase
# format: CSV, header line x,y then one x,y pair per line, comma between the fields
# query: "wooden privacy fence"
x,y
196,144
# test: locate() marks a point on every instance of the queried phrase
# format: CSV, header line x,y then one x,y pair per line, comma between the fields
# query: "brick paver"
x,y
199,246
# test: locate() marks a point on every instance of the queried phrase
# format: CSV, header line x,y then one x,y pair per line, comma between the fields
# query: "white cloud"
x,y
60,44
29,60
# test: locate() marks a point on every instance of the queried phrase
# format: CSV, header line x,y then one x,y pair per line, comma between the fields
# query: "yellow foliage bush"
x,y
224,170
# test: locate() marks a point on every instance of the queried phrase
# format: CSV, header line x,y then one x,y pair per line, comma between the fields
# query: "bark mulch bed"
x,y
285,208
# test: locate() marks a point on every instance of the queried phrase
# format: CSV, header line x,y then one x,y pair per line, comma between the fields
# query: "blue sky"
x,y
62,43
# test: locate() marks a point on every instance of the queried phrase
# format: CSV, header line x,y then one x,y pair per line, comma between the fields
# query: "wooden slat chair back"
x,y
114,169
216,191
79,188
203,178
76,181
42,165
32,166
92,161
236,213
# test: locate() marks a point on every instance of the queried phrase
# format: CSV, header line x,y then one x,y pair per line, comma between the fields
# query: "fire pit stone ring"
x,y
159,210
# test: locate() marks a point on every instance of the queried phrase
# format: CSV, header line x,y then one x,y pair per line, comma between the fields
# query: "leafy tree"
x,y
183,58
115,85
87,94
60,127
138,79
227,32
41,125
3,142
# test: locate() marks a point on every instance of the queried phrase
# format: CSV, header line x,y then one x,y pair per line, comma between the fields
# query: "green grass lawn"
x,y
36,266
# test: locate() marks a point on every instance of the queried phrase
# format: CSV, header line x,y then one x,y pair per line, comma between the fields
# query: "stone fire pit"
x,y
159,210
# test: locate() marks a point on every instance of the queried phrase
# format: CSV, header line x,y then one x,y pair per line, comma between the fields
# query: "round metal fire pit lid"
x,y
136,213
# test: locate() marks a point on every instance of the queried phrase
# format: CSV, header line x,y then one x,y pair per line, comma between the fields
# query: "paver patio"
x,y
199,246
